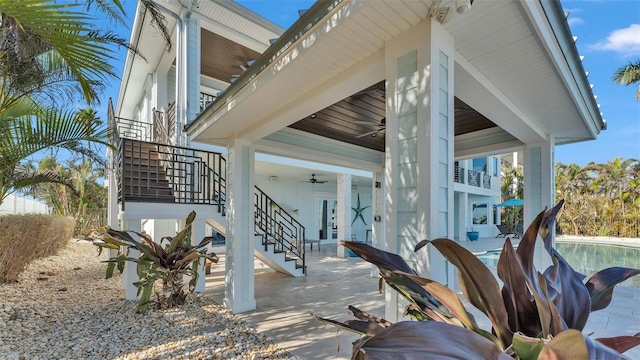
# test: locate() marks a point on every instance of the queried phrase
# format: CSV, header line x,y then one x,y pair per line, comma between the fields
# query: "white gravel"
x,y
63,308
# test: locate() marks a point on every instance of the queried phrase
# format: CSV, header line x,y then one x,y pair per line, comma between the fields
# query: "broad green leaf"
x,y
526,347
379,258
601,284
568,345
426,340
573,345
478,285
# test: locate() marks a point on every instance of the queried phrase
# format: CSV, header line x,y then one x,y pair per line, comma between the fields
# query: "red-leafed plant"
x,y
534,315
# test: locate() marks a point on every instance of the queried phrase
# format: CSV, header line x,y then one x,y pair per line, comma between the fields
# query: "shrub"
x,y
25,238
533,316
169,265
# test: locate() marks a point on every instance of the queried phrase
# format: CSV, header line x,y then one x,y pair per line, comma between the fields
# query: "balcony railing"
x,y
458,174
205,100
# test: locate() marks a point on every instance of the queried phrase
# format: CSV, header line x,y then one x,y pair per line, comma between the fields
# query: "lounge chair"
x,y
504,232
519,230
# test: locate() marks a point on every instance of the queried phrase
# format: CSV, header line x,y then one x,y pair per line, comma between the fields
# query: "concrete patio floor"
x,y
286,305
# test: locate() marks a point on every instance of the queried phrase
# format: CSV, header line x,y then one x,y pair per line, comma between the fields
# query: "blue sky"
x,y
608,34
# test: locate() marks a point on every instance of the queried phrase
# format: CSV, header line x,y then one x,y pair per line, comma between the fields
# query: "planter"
x,y
473,235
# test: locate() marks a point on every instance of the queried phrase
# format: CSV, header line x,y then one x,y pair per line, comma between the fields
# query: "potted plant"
x,y
473,235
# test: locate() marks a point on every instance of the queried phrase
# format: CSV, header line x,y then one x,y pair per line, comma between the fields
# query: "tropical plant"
x,y
627,75
168,265
533,315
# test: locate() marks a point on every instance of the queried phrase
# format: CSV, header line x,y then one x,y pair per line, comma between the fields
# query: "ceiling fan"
x,y
380,127
313,180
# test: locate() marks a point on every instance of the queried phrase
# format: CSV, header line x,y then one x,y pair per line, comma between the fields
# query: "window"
x,y
480,164
480,213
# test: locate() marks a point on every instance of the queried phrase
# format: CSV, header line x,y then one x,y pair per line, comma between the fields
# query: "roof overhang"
x,y
224,18
517,61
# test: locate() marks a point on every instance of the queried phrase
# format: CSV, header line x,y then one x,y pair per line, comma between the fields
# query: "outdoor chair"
x,y
519,230
504,232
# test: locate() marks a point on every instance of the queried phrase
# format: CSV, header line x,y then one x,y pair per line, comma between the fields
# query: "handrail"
x,y
279,228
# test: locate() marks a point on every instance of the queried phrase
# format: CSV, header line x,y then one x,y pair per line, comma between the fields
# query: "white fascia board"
x,y
548,26
135,67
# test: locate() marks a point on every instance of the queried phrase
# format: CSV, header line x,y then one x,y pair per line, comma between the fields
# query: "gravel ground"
x,y
63,308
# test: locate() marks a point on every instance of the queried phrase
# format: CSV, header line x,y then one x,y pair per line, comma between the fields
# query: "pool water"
x,y
588,258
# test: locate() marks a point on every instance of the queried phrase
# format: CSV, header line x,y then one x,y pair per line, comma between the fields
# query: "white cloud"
x,y
573,21
623,41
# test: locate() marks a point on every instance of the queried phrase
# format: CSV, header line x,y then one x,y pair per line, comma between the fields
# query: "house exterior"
x,y
408,91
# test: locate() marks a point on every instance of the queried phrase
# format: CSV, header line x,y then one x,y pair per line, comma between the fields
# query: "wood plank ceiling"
x,y
360,119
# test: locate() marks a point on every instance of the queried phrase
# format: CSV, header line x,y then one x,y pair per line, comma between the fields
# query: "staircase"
x,y
151,172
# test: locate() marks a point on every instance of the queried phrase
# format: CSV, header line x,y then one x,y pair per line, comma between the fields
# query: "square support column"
x,y
197,234
343,212
539,189
419,150
130,274
240,241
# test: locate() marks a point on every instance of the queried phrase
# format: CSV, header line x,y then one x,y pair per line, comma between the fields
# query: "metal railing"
x,y
458,174
474,178
205,100
486,181
279,228
165,173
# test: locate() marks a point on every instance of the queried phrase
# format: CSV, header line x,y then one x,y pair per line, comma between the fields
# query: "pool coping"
x,y
602,240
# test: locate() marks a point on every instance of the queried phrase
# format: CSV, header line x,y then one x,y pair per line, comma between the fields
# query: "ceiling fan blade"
x,y
368,133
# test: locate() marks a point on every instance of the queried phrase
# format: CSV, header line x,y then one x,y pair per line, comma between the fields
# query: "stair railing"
x,y
279,228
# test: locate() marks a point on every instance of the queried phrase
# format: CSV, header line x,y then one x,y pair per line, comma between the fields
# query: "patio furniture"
x,y
519,230
504,232
313,241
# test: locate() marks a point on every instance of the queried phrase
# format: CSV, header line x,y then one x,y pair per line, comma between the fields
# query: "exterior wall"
x,y
14,204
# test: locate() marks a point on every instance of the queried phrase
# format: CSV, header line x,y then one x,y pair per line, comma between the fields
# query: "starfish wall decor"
x,y
359,211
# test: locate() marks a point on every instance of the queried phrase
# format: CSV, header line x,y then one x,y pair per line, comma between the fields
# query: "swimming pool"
x,y
588,258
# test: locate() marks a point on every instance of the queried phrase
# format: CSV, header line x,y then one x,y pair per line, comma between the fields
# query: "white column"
x,y
197,234
343,212
539,183
539,189
192,70
130,274
379,215
419,143
239,281
463,215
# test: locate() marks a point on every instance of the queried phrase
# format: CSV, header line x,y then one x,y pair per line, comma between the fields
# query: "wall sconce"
x,y
377,218
378,185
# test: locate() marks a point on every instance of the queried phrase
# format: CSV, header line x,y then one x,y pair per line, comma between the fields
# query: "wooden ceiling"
x,y
363,113
222,58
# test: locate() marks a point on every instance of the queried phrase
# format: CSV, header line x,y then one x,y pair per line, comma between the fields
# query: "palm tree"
x,y
628,74
50,54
